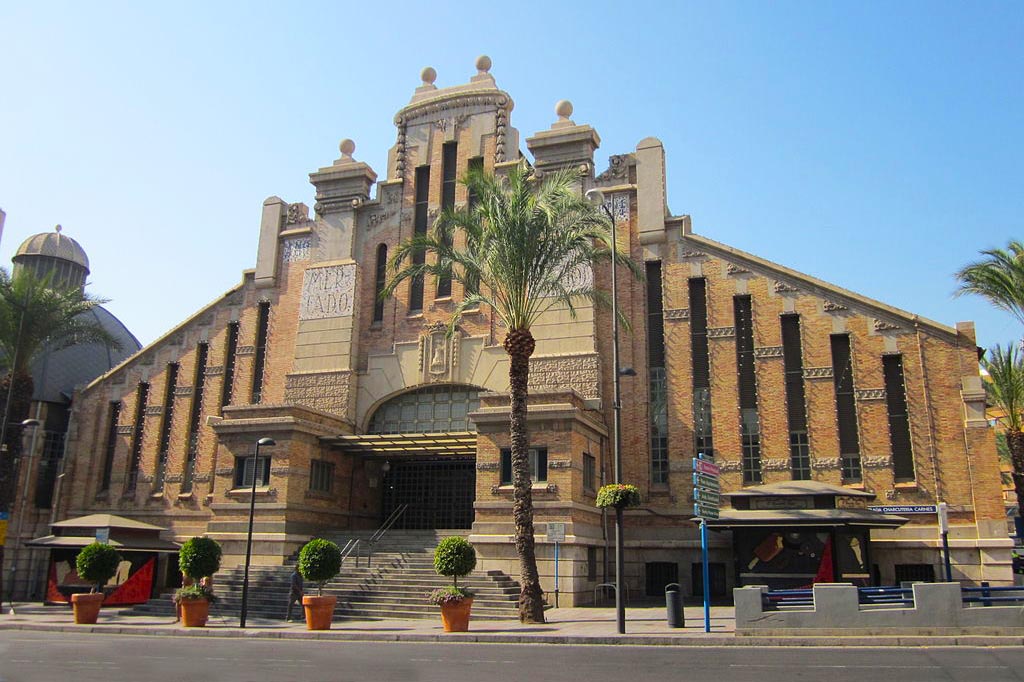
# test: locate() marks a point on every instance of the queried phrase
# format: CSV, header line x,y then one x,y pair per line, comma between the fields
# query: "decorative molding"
x,y
775,465
690,254
297,213
486,466
578,372
454,122
817,372
225,471
125,429
784,287
721,332
768,352
729,466
826,463
201,478
296,249
154,410
280,471
879,462
833,307
870,394
173,478
891,494
380,217
618,170
559,464
327,391
183,391
677,314
733,269
883,326
214,370
246,350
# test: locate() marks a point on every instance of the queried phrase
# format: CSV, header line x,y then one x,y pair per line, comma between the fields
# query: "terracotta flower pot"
x,y
319,612
86,607
194,612
455,615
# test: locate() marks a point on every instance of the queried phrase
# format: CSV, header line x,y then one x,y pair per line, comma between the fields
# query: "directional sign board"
x,y
705,467
705,511
705,481
706,489
706,497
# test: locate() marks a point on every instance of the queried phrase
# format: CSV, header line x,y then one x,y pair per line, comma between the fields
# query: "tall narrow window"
x,y
899,420
796,408
422,189
108,455
260,363
379,280
165,427
229,364
138,430
195,414
846,407
701,368
750,424
658,404
476,165
49,463
449,165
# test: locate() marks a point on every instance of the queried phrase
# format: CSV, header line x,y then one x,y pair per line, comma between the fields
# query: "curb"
x,y
512,638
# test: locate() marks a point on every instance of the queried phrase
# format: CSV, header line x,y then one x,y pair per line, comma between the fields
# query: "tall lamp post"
x,y
15,550
596,197
248,540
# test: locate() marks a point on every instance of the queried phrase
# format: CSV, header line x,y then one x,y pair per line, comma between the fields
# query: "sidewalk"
x,y
568,626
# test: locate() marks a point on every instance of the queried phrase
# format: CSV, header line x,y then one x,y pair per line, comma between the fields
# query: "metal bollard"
x,y
674,606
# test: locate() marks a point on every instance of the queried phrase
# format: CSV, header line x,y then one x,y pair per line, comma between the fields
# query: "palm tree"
x,y
529,245
999,277
1005,367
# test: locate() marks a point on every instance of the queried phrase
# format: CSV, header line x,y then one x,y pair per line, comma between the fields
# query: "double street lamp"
x,y
264,442
596,197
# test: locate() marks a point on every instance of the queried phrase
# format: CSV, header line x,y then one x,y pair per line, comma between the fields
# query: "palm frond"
x,y
1005,367
998,277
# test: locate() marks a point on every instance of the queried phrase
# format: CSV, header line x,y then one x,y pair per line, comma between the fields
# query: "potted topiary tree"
x,y
96,563
319,561
454,557
198,559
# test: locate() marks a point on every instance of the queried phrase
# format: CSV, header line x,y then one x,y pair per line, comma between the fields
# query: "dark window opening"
x,y
846,407
449,167
716,579
260,363
538,465
379,281
49,463
701,368
899,419
796,407
914,573
589,472
108,458
420,217
321,476
244,470
229,364
195,414
750,423
138,429
658,396
659,574
165,427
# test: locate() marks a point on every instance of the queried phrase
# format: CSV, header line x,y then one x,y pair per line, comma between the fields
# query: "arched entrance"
x,y
434,471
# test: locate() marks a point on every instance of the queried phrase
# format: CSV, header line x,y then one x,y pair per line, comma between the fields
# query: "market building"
x,y
817,403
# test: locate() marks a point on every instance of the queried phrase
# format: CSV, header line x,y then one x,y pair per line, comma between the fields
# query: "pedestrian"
x,y
294,594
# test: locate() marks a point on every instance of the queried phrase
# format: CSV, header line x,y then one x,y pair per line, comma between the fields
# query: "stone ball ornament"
x,y
428,75
483,63
563,109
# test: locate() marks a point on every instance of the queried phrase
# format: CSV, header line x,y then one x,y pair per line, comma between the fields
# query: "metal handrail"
x,y
379,534
350,546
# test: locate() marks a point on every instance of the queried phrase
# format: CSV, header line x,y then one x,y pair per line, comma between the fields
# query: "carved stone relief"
x,y
617,172
784,287
676,314
775,465
735,465
817,373
297,214
328,292
883,326
183,391
690,254
486,466
733,269
768,352
618,205
154,410
438,353
870,394
721,332
833,307
246,350
578,372
125,429
327,391
559,464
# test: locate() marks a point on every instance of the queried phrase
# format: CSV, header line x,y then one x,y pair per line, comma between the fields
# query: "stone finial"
x,y
483,63
564,110
428,75
58,228
346,147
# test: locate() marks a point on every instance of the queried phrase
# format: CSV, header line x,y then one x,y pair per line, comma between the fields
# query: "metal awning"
x,y
864,518
394,444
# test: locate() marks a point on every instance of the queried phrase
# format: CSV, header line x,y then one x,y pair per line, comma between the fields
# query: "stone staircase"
x,y
394,585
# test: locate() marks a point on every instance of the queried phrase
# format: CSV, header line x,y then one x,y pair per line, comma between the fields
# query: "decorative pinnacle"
x,y
483,63
429,75
346,148
563,109
58,228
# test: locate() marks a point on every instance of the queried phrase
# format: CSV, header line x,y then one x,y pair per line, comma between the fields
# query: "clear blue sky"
x,y
876,145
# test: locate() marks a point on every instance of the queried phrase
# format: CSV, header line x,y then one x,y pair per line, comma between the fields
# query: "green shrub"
x,y
618,495
97,563
194,592
199,557
448,595
319,561
454,557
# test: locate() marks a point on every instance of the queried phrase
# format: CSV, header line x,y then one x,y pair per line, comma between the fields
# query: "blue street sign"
x,y
705,511
706,482
706,497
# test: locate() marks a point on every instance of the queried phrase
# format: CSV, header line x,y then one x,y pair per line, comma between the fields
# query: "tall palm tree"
x,y
999,277
529,245
1005,367
35,317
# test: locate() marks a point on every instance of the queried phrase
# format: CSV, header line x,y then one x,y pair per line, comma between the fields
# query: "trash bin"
x,y
674,606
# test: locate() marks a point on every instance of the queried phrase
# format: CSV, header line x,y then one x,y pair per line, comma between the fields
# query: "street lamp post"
x,y
15,549
596,197
248,540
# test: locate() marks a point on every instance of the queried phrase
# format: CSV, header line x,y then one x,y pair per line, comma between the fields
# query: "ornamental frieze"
x,y
297,213
733,269
201,478
328,292
486,466
225,471
818,373
784,287
154,410
879,462
326,391
296,249
826,463
768,352
183,391
775,465
883,326
735,465
833,307
246,350
721,332
578,372
559,464
215,370
125,429
173,478
690,254
870,394
677,314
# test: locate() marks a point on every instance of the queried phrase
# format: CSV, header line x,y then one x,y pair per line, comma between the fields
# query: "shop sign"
x,y
905,508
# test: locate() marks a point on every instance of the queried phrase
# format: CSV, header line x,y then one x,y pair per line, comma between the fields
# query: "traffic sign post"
x,y
556,534
707,499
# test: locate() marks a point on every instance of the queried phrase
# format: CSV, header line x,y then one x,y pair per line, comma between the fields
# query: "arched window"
x,y
434,409
378,286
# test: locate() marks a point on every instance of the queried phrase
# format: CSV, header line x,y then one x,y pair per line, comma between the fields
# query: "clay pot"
x,y
194,612
455,615
319,612
86,607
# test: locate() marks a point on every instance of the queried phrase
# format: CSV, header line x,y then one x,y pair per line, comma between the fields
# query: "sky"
x,y
875,145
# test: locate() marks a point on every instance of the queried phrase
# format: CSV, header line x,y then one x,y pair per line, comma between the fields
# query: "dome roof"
x,y
55,245
57,373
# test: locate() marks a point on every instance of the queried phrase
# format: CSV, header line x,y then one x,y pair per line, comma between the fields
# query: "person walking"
x,y
294,594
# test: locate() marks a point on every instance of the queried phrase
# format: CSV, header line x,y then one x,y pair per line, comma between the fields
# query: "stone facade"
x,y
330,358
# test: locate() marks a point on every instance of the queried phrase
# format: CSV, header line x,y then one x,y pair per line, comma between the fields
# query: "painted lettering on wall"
x,y
327,292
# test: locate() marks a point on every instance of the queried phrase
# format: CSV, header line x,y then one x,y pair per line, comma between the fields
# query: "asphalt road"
x,y
56,657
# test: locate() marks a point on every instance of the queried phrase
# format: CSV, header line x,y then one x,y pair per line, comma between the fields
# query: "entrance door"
x,y
439,491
